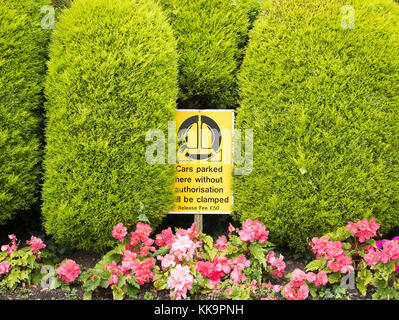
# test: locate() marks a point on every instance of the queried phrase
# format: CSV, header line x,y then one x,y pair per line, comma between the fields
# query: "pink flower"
x,y
278,264
392,249
119,232
291,293
184,247
389,252
321,279
237,275
253,230
165,238
205,268
337,260
340,263
129,260
298,277
144,251
182,243
231,229
113,279
310,277
180,281
277,288
372,257
114,267
303,292
143,230
223,264
141,234
143,271
253,285
190,232
68,271
13,246
167,261
4,267
221,243
363,229
333,248
36,244
319,245
241,261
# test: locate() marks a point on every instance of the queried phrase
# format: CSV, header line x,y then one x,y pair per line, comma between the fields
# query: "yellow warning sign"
x,y
203,182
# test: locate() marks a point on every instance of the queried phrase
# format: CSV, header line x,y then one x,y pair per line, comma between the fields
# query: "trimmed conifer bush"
x,y
251,7
23,49
112,77
211,36
322,96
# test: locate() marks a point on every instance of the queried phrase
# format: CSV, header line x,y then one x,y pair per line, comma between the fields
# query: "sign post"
x,y
203,183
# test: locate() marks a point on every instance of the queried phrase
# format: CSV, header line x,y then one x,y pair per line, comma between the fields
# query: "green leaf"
x,y
316,265
121,281
161,284
143,218
334,277
13,279
366,275
313,291
91,285
240,293
131,291
207,240
361,286
161,252
117,292
258,253
341,234
87,295
55,283
113,255
132,281
36,277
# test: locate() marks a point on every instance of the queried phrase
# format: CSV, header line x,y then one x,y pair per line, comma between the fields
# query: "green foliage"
x,y
384,278
23,50
251,7
25,267
112,77
380,274
148,296
62,4
211,36
323,104
341,234
337,292
96,279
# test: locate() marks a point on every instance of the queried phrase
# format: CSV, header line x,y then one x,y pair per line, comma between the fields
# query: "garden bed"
x,y
89,259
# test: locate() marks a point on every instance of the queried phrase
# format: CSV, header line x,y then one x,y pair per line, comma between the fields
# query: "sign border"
x,y
232,193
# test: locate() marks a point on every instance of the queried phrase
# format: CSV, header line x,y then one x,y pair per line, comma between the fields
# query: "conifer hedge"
x,y
23,49
211,37
112,76
322,98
